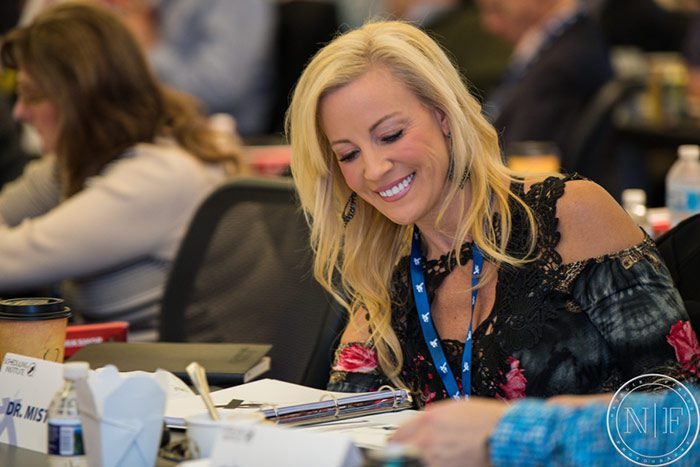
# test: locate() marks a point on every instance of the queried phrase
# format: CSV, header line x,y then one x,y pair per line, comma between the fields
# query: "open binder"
x,y
331,407
289,404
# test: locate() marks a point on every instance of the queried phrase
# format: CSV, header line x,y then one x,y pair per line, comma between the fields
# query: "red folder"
x,y
81,335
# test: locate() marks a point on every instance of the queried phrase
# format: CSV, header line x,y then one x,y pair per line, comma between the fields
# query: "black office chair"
x,y
584,151
243,274
680,249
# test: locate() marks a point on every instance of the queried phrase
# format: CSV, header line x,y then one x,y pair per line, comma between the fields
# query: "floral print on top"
x,y
578,328
685,343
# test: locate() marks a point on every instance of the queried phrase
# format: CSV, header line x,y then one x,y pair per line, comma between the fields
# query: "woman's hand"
x,y
453,433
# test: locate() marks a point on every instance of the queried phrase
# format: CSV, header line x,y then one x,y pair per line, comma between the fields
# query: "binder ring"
x,y
335,402
395,393
277,415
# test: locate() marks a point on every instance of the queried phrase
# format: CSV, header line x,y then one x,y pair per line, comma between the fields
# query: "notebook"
x,y
226,364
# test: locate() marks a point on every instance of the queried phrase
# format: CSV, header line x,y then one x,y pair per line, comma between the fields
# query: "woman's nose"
x,y
19,111
376,165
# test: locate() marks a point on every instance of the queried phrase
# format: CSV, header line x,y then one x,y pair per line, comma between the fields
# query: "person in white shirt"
x,y
128,162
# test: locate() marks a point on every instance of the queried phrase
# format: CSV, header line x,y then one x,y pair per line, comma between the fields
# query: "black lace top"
x,y
582,327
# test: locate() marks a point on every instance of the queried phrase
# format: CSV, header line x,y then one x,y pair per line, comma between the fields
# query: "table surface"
x,y
11,456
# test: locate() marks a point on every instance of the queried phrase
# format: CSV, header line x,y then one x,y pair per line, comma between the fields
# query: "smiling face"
x,y
36,109
391,147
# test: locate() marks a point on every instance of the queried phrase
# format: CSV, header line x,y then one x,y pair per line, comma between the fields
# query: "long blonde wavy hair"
x,y
355,263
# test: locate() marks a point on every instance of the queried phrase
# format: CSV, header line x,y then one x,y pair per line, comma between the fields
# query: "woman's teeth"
x,y
398,188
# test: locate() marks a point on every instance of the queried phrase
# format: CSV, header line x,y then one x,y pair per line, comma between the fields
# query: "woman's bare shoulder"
x,y
592,223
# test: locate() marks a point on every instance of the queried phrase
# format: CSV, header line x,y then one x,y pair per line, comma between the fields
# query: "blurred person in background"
x,y
220,51
128,162
455,25
559,63
354,13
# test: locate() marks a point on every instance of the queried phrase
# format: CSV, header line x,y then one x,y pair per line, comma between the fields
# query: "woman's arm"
x,y
534,432
355,366
34,193
138,208
626,291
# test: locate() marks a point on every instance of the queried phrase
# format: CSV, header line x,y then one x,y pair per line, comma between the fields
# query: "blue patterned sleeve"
x,y
536,433
630,298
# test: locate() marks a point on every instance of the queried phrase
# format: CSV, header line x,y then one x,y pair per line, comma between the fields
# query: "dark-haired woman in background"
x,y
127,164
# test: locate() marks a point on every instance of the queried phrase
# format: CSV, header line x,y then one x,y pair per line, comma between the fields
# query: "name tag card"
x,y
27,386
260,445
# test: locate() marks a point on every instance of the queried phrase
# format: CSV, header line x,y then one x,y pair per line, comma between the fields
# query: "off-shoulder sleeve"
x,y
355,369
630,298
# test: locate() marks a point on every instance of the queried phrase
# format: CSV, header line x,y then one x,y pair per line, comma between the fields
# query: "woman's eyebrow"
x,y
382,120
371,128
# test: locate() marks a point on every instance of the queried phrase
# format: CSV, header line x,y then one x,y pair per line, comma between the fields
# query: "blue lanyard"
x,y
420,296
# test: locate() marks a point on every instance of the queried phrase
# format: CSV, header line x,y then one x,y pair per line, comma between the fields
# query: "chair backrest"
x,y
587,141
680,249
244,274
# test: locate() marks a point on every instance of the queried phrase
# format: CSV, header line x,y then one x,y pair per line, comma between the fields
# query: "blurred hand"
x,y
453,433
578,401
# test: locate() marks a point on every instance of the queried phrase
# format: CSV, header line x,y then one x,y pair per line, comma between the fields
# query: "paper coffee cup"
x,y
35,327
202,430
533,156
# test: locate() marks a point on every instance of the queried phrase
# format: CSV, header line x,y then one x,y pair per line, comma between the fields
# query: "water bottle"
x,y
65,438
683,184
634,201
393,455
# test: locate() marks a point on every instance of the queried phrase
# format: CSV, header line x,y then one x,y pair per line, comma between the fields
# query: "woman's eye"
x,y
348,156
392,137
29,97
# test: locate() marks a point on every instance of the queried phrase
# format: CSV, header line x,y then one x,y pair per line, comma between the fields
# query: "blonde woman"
x,y
461,277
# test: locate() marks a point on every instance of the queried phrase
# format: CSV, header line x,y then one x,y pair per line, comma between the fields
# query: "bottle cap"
x,y
394,454
75,370
634,196
689,151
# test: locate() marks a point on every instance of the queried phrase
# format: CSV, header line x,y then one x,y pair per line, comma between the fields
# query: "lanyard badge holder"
x,y
426,320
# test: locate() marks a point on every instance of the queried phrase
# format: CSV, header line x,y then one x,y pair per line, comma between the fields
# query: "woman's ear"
x,y
441,118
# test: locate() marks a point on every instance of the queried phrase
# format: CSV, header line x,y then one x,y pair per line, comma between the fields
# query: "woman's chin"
x,y
402,219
